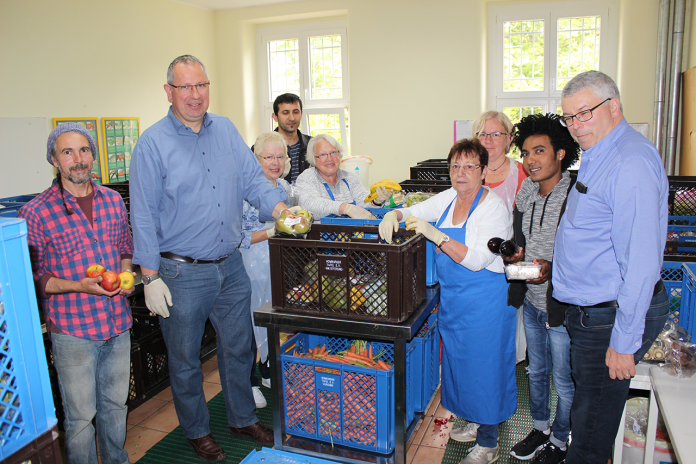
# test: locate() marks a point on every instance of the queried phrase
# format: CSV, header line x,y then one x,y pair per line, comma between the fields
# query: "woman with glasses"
x,y
476,324
505,175
271,151
326,189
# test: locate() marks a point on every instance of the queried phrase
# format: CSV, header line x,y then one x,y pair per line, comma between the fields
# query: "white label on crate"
x,y
327,382
335,265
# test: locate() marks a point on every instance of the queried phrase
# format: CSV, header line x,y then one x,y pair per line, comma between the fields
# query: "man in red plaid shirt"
x,y
73,225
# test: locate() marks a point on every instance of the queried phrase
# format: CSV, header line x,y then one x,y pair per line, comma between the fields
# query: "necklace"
x,y
501,165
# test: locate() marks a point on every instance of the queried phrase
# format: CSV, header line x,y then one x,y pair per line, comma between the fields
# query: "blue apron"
x,y
478,338
328,190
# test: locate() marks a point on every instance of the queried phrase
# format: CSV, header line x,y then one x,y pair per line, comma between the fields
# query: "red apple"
x,y
95,270
127,280
110,281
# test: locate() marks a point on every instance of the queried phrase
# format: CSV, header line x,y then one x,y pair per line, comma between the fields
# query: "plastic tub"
x,y
359,165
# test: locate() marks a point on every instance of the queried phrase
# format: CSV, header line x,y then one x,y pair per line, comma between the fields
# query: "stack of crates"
x,y
28,421
427,176
680,283
9,207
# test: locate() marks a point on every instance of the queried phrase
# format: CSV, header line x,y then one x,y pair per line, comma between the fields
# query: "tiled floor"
x,y
154,419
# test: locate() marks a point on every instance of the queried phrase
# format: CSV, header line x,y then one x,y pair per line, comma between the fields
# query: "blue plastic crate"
x,y
343,404
430,270
424,339
27,412
687,311
271,456
9,212
19,198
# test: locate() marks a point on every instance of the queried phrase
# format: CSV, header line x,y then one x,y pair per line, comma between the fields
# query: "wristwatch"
x,y
445,239
146,280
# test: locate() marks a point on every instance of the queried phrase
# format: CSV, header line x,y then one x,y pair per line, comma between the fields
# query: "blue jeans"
x,y
487,435
548,349
221,292
93,377
599,401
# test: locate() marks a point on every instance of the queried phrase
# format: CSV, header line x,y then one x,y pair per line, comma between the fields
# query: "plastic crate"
x,y
271,456
687,310
433,186
346,272
9,212
25,388
429,336
19,198
149,365
682,196
317,394
430,270
42,450
433,162
430,172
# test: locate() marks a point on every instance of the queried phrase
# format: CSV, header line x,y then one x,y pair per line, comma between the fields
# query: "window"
x,y
536,48
311,61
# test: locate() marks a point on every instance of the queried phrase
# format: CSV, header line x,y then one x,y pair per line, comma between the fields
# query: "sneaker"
x,y
266,383
550,454
480,455
465,434
527,448
258,398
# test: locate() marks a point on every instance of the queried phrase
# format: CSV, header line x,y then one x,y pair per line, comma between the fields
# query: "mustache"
x,y
79,167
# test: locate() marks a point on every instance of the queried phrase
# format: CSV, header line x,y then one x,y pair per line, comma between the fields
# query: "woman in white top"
x,y
325,189
476,324
504,175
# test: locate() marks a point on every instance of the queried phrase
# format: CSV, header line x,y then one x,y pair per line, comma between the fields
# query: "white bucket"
x,y
360,165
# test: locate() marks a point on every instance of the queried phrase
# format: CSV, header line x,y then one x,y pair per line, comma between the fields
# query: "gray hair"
x,y
186,59
273,138
602,85
499,116
310,147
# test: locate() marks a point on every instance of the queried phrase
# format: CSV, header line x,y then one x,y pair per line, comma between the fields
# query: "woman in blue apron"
x,y
476,324
326,189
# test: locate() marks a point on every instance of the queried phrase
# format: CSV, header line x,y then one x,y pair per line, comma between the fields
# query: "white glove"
x,y
271,232
357,212
295,209
383,194
158,297
388,226
428,230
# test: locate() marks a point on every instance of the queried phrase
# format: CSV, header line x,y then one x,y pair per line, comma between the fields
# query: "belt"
x,y
186,259
659,286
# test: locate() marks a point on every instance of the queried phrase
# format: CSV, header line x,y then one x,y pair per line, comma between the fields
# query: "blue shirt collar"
x,y
182,128
600,147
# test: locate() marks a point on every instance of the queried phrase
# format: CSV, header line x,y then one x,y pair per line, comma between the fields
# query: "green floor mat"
x,y
174,449
510,432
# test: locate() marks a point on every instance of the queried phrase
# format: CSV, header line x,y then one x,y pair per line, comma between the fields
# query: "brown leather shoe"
x,y
257,431
207,448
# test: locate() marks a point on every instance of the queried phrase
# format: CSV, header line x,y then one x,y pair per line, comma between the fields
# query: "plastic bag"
x,y
414,198
663,342
294,225
681,359
257,263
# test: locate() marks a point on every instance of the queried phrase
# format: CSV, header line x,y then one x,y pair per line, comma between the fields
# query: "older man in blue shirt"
x,y
607,260
189,175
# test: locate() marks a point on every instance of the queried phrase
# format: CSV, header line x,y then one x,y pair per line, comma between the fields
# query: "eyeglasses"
x,y
492,135
467,167
323,156
582,116
271,158
187,89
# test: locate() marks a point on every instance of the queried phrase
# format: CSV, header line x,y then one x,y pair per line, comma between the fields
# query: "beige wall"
x,y
77,58
414,66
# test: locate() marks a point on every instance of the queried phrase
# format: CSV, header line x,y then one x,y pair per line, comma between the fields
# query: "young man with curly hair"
x,y
547,151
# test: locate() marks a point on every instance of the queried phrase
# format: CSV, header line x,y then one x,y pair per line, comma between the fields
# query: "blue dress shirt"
x,y
611,240
187,190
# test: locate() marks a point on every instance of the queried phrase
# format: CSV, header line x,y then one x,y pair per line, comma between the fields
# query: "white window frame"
x,y
320,106
550,12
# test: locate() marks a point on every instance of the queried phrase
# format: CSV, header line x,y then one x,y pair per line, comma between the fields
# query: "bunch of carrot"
x,y
359,354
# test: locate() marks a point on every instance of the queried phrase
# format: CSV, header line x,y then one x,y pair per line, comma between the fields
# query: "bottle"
x,y
508,248
494,245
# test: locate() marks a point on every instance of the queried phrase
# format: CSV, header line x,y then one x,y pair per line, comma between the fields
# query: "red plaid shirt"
x,y
66,245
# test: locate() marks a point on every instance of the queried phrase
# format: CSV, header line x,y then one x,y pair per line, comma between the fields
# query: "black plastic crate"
x,y
433,162
346,271
430,172
682,195
436,186
44,449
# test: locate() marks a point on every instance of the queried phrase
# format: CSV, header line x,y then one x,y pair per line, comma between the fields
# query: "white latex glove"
x,y
295,209
158,297
428,230
388,226
271,232
357,212
383,194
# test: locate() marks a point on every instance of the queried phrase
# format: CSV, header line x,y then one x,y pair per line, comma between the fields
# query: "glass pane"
x,y
284,67
578,47
516,113
329,123
326,67
523,55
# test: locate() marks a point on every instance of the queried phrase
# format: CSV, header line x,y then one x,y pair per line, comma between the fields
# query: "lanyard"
x,y
328,190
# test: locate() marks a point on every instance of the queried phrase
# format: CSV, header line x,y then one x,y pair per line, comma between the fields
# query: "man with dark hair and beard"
x,y
73,225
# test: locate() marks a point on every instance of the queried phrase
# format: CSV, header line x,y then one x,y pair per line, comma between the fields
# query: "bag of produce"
x,y
294,225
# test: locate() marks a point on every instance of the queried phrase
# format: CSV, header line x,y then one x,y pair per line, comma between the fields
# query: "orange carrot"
x,y
352,348
382,365
370,352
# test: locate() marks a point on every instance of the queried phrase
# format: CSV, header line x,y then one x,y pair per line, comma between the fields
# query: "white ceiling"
x,y
230,4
